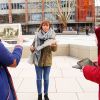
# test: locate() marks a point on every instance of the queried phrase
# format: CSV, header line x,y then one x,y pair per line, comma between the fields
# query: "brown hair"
x,y
45,22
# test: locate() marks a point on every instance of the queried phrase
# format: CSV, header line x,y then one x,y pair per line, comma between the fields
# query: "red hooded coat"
x,y
93,73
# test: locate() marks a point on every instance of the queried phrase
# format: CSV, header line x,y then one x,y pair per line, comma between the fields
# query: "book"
x,y
83,62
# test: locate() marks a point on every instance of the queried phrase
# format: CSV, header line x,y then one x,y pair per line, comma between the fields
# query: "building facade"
x,y
30,13
97,18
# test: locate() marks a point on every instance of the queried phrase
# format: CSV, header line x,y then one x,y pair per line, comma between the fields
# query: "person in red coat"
x,y
92,73
91,70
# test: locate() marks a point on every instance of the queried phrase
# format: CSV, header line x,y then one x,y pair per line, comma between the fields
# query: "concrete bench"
x,y
62,50
73,50
70,32
83,51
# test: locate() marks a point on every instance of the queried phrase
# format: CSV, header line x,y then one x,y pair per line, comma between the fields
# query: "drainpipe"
x,y
26,15
10,11
43,10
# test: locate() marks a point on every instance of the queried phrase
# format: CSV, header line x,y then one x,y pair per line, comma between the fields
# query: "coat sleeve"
x,y
7,58
92,73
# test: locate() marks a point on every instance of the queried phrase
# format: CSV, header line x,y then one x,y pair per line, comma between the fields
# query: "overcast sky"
x,y
97,2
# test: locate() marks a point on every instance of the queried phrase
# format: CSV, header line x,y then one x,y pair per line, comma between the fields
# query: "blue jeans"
x,y
42,71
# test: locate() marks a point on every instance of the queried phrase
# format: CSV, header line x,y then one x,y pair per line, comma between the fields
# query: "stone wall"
x,y
73,50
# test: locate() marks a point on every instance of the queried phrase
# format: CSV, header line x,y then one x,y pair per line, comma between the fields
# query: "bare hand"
x,y
32,49
20,39
53,44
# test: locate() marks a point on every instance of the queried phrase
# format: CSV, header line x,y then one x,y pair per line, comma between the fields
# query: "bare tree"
x,y
64,13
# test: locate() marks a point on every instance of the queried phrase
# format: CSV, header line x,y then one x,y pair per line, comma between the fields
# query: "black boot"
x,y
40,97
46,97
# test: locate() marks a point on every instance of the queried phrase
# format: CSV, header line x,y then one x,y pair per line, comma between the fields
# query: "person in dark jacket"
x,y
8,59
43,57
87,30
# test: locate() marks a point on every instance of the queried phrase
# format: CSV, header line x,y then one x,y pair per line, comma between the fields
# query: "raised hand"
x,y
20,39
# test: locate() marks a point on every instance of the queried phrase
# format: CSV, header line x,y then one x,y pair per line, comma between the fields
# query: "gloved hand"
x,y
83,62
77,67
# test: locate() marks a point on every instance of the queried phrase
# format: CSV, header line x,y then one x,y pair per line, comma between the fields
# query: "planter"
x,y
70,32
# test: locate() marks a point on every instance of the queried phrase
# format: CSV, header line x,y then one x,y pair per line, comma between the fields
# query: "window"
x,y
35,5
35,17
3,6
18,18
0,6
72,17
51,4
18,5
21,5
49,16
14,6
63,3
4,18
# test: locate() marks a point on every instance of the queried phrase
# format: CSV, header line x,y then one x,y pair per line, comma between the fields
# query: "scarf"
x,y
42,40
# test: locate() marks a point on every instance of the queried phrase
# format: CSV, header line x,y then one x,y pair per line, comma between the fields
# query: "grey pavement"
x,y
66,83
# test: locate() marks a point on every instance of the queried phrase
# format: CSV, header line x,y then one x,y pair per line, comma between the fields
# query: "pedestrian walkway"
x,y
66,83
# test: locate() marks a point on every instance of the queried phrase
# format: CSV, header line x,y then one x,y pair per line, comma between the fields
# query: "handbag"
x,y
30,58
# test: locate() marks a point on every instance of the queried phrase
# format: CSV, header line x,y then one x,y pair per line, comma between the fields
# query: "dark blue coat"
x,y
7,91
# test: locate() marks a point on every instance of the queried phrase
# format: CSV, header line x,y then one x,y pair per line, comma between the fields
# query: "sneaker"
x,y
40,97
46,97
